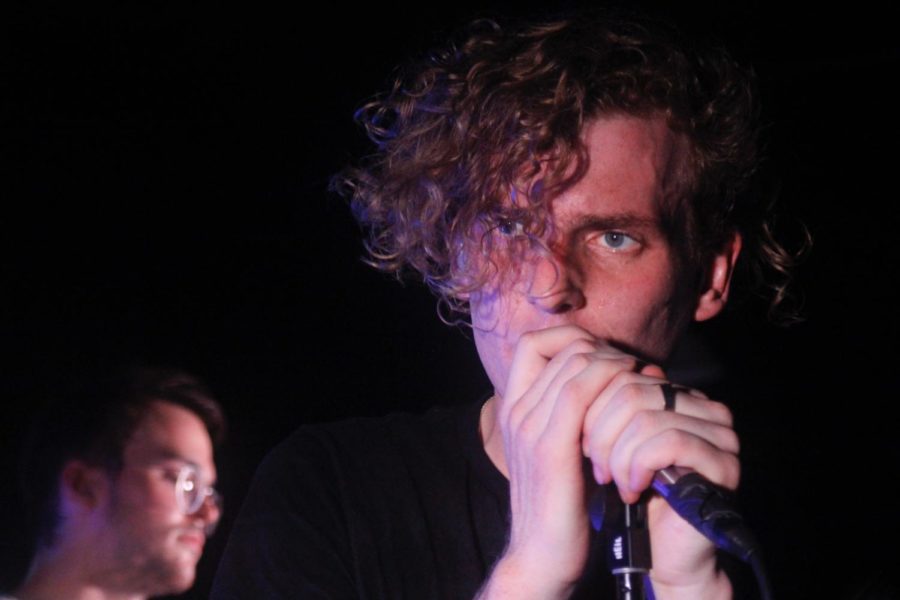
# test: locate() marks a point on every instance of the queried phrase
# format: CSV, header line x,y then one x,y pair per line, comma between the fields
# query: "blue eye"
x,y
616,240
510,227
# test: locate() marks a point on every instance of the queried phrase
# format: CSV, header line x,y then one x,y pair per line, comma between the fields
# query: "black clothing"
x,y
399,507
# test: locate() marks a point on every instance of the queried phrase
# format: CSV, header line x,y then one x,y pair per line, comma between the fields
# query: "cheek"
x,y
151,507
489,331
497,322
645,317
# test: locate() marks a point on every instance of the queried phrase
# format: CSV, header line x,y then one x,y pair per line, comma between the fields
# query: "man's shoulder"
x,y
439,435
397,426
374,467
362,504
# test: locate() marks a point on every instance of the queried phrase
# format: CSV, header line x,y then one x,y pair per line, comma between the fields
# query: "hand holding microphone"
x,y
568,396
706,506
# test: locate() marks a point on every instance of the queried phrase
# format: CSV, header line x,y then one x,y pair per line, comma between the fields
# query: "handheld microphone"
x,y
708,508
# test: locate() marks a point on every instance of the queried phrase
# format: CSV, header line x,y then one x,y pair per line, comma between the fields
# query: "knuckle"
x,y
644,422
731,475
619,401
583,346
641,462
578,361
621,379
629,363
626,397
527,432
528,340
632,392
571,391
598,447
516,415
601,344
722,414
619,470
676,439
698,393
730,441
624,364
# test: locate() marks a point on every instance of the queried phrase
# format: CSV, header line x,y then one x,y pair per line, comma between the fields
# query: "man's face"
x,y
608,267
154,546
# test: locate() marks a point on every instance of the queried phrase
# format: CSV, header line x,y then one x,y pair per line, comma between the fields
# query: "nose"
x,y
210,512
555,284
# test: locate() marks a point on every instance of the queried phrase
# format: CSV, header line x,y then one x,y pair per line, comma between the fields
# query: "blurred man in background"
x,y
118,476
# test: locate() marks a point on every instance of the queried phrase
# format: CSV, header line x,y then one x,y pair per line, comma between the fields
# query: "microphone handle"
x,y
708,507
628,542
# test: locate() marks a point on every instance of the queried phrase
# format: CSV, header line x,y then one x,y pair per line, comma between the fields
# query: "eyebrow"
x,y
169,455
626,220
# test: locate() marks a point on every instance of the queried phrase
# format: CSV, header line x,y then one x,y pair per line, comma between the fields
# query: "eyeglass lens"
x,y
191,494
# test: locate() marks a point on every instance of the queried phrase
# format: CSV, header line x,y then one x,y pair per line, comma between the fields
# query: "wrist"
x,y
715,587
516,577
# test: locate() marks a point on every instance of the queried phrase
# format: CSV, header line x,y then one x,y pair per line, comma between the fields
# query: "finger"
x,y
677,447
648,425
576,387
630,395
515,409
652,371
534,350
621,389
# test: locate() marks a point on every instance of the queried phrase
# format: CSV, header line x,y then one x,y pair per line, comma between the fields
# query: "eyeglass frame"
x,y
183,486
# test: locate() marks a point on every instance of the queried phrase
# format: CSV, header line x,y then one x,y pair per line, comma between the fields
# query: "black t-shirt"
x,y
398,507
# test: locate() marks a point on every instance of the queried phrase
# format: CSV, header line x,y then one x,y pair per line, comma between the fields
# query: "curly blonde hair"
x,y
503,111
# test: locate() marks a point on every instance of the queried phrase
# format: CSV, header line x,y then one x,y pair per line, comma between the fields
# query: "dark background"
x,y
163,197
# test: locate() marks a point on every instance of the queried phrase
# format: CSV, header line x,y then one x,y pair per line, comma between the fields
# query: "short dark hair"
x,y
92,420
503,110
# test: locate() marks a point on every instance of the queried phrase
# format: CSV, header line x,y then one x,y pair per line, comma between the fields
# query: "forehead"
x,y
168,431
635,166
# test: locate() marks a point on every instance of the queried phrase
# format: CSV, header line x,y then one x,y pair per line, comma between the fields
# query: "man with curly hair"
x,y
578,188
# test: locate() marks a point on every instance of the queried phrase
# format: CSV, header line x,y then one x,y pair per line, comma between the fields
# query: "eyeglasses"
x,y
191,493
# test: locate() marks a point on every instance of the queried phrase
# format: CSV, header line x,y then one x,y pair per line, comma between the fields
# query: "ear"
x,y
715,293
82,486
